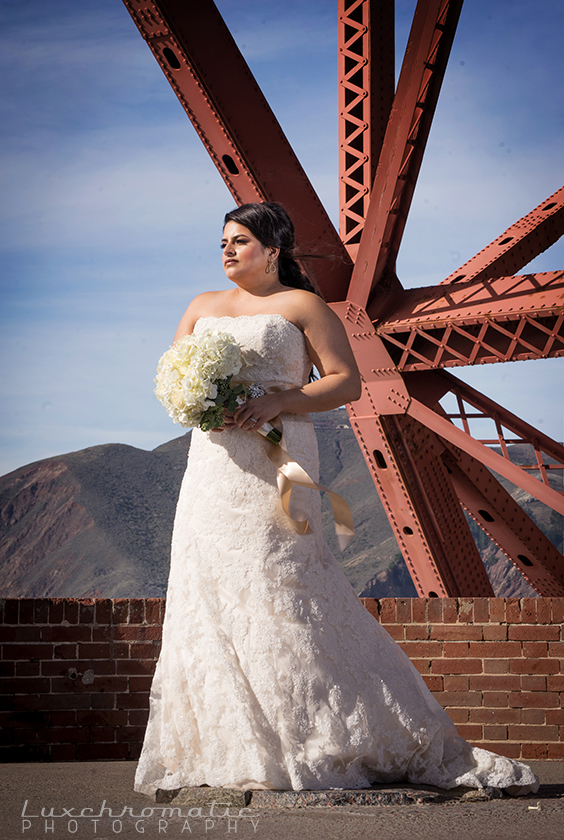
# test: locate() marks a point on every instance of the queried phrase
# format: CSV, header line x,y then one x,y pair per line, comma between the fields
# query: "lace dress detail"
x,y
272,674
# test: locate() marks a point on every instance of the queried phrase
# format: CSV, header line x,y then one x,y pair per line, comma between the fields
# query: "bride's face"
x,y
243,254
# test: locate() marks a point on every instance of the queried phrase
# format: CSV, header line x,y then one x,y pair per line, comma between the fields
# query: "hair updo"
x,y
272,226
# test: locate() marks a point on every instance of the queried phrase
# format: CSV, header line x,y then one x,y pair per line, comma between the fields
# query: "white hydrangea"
x,y
187,373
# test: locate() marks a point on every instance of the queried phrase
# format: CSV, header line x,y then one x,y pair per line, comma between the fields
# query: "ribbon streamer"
x,y
289,472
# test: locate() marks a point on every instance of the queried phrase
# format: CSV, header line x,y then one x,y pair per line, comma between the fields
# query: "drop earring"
x,y
270,266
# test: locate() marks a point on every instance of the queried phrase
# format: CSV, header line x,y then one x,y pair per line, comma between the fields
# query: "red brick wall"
x,y
76,677
494,664
76,674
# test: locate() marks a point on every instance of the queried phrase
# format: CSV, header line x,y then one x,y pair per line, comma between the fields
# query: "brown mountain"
x,y
98,522
91,523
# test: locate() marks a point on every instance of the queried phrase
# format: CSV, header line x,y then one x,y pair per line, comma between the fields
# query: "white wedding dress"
x,y
272,674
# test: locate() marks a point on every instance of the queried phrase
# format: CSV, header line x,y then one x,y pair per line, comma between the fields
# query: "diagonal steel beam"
x,y
518,245
428,48
506,523
237,126
404,460
426,389
501,319
366,93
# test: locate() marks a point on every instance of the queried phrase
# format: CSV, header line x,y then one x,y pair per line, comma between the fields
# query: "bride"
x,y
272,674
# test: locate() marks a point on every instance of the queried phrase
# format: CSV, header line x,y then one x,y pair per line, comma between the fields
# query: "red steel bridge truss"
x,y
427,461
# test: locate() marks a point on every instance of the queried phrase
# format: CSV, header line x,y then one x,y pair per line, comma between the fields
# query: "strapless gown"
x,y
272,674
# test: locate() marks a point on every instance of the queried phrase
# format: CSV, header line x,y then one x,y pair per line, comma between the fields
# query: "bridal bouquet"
x,y
194,381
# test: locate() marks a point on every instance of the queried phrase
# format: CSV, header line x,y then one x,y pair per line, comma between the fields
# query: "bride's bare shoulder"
x,y
207,302
201,306
301,306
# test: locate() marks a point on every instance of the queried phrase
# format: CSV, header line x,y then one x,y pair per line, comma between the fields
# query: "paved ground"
x,y
63,790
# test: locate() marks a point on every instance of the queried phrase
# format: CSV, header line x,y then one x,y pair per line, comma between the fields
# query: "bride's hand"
x,y
256,412
228,422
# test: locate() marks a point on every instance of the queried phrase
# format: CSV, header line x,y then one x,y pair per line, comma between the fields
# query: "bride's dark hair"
x,y
273,227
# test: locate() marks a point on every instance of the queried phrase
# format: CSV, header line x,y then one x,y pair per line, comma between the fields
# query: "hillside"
x,y
91,523
98,522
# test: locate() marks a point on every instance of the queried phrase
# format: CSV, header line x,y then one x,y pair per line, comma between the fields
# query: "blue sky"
x,y
111,209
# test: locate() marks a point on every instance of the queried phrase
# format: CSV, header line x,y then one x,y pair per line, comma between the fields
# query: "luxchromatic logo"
x,y
172,821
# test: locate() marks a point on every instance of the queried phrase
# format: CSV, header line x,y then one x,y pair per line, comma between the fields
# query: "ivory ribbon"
x,y
289,472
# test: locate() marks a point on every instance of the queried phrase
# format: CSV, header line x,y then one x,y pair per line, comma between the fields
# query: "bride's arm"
x,y
330,351
186,325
